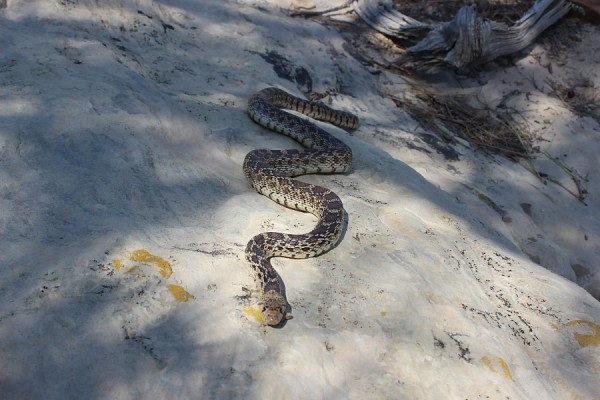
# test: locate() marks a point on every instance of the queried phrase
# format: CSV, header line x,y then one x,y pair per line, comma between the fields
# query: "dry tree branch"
x,y
468,40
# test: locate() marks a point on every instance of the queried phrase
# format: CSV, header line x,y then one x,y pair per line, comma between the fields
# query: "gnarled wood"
x,y
468,40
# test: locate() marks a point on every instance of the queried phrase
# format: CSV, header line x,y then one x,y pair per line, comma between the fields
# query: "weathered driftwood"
x,y
381,16
468,40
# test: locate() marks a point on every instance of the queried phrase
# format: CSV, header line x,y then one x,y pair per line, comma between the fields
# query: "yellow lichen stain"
x,y
553,325
586,339
144,257
383,313
254,313
180,294
497,361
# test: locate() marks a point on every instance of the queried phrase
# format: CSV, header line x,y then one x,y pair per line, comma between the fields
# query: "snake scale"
x,y
271,173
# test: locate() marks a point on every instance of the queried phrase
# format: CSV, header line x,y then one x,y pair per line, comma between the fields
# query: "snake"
x,y
272,173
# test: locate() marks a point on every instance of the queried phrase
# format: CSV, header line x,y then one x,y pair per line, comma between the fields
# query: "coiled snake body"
x,y
271,173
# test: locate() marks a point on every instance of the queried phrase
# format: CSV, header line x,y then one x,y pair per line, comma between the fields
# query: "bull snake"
x,y
271,173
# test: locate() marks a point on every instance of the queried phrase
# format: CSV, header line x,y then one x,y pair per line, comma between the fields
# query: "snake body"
x,y
272,172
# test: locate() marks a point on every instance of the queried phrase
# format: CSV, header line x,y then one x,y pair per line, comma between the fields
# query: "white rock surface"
x,y
123,128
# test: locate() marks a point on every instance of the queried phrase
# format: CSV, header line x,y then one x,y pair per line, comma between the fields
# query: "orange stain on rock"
x,y
139,259
254,313
180,294
497,365
590,335
144,257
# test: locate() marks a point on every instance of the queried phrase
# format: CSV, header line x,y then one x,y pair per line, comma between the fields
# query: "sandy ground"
x,y
125,213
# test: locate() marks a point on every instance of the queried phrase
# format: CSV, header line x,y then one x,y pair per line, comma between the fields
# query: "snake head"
x,y
272,316
274,305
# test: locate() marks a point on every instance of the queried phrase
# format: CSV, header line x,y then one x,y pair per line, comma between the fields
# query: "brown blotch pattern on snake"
x,y
272,172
